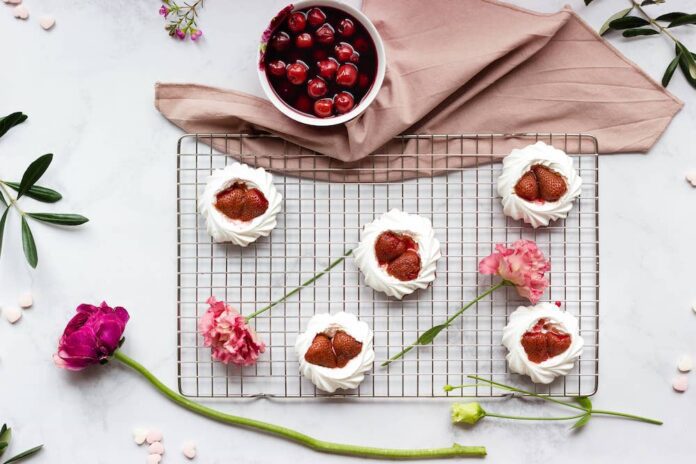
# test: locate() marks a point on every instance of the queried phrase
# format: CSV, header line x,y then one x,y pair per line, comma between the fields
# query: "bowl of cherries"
x,y
321,62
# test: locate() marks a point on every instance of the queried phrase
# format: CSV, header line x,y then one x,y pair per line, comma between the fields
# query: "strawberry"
x,y
557,343
320,352
405,267
552,185
527,188
389,246
534,344
241,203
345,347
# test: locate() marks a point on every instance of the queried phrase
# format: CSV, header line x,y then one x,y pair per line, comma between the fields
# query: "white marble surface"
x,y
87,86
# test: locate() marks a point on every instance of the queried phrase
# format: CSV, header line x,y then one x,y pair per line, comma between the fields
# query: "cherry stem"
x,y
305,284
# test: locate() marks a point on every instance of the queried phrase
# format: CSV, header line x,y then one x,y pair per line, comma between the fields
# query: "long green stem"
x,y
592,411
525,418
289,434
305,284
447,322
653,22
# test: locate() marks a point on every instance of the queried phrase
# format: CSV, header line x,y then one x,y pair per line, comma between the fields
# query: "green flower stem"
x,y
318,445
449,321
305,284
653,22
562,403
525,418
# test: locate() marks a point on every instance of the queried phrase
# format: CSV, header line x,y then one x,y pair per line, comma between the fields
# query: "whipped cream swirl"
x,y
352,374
522,320
420,230
225,229
519,162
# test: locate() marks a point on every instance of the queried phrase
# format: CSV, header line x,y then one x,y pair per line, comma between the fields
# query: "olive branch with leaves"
x,y
27,187
634,21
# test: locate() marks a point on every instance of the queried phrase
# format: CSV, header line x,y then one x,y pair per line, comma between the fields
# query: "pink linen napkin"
x,y
456,67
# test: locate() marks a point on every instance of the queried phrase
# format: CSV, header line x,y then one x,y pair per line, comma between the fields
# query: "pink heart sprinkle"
x,y
13,2
12,314
156,448
47,22
153,459
691,177
21,12
680,383
153,436
189,449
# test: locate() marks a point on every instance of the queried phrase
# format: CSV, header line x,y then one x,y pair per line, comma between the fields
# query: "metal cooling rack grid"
x,y
321,220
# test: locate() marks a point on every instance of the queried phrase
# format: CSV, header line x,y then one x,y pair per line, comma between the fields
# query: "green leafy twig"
x,y
27,187
5,436
645,25
472,412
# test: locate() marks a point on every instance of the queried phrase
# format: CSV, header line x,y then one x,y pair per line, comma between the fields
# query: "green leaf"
x,y
651,2
429,335
60,219
11,120
687,63
628,22
22,456
5,437
36,192
582,421
584,402
2,199
34,173
669,72
587,2
605,27
2,232
669,17
28,244
682,20
640,31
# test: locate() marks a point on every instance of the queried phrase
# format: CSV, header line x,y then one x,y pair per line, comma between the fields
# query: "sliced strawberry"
x,y
557,343
345,347
527,187
241,203
389,246
534,344
320,352
552,185
405,267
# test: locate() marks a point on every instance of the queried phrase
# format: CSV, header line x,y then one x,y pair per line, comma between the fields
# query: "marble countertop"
x,y
87,87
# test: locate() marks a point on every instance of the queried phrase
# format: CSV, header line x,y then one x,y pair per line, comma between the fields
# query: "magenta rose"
x,y
91,336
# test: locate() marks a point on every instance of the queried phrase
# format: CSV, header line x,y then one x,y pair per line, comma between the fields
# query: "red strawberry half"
x,y
241,203
345,347
552,185
405,267
321,352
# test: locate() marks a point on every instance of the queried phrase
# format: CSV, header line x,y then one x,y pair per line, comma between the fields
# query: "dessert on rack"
x,y
239,204
398,253
335,351
538,184
543,342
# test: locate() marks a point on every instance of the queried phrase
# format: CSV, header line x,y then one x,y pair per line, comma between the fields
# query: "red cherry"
x,y
280,41
346,27
304,40
297,22
316,87
323,108
304,103
344,102
276,68
297,72
344,51
363,80
361,44
286,90
346,75
355,57
325,34
327,68
315,17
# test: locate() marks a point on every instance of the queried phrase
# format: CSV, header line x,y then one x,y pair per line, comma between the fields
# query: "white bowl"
x,y
291,112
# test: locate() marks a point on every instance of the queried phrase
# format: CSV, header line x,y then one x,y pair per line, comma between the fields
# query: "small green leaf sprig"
x,y
642,24
27,187
181,19
470,413
5,437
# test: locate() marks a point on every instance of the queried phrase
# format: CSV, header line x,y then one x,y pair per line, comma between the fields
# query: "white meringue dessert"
x,y
335,351
398,253
543,342
538,184
239,204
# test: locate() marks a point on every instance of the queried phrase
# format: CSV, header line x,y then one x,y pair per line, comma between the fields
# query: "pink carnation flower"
x,y
227,334
522,264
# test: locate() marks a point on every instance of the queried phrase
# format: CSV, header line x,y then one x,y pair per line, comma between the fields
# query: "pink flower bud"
x,y
164,11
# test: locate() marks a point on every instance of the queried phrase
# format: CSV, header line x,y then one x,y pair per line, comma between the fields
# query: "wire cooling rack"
x,y
321,220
